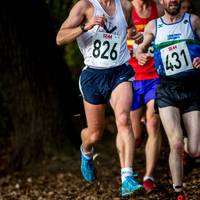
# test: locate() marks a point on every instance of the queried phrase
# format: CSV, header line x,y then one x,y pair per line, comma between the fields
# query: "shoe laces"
x,y
130,179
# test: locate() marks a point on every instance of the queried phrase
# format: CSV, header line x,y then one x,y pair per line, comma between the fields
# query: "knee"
x,y
154,123
177,145
123,120
194,151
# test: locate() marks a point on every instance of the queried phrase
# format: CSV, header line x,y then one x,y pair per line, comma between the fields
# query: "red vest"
x,y
146,71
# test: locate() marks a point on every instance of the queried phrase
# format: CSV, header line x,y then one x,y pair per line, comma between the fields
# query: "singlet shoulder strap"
x,y
96,4
119,10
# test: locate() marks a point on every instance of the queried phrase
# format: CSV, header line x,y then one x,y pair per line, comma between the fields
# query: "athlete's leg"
x,y
137,124
95,116
170,117
137,112
89,136
153,144
191,121
121,100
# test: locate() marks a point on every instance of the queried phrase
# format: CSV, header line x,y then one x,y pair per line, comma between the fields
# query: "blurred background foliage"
x,y
39,96
59,10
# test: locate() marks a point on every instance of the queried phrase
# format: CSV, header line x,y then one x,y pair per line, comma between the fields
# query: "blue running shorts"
x,y
96,85
144,91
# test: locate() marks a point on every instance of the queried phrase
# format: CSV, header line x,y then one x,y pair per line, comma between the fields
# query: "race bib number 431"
x,y
176,58
105,49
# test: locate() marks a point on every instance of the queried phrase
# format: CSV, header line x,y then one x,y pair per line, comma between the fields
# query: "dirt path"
x,y
60,178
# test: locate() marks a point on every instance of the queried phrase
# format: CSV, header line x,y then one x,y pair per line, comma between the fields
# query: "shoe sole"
x,y
134,191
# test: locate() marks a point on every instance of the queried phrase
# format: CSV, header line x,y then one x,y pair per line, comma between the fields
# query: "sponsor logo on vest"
x,y
174,36
172,48
107,36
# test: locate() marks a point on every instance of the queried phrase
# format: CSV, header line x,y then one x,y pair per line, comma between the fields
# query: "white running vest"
x,y
174,46
105,47
175,31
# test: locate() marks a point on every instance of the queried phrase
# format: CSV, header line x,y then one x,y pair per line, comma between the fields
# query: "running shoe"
x,y
180,196
149,185
129,186
87,168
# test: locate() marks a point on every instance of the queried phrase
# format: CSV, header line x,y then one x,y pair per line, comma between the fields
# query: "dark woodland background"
x,y
41,112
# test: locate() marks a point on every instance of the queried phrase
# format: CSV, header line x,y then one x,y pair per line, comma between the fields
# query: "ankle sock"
x,y
125,172
178,188
87,155
148,177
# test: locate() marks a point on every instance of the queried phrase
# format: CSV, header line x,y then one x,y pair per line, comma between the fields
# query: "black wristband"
x,y
82,26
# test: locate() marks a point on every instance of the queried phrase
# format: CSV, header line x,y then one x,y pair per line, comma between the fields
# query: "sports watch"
x,y
82,26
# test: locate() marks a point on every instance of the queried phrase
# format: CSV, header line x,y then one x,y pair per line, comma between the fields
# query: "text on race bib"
x,y
105,49
176,58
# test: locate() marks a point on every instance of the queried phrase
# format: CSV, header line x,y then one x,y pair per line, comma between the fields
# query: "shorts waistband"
x,y
184,82
96,70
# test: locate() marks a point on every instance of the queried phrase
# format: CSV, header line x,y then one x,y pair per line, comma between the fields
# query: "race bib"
x,y
105,49
176,58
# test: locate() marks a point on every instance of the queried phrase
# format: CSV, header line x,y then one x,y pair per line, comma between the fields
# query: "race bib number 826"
x,y
105,48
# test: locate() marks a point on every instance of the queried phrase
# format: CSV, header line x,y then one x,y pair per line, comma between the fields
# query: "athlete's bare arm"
x,y
81,12
149,35
195,20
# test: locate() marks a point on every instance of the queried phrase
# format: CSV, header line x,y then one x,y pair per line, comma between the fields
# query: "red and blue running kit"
x,y
146,77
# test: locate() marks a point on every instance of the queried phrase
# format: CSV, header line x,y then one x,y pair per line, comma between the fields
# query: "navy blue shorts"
x,y
184,95
96,85
144,91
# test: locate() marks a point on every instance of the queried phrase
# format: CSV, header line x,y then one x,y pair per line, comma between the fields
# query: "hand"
x,y
97,20
196,62
142,58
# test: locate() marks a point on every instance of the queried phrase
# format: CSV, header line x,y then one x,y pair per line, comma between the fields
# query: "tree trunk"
x,y
35,84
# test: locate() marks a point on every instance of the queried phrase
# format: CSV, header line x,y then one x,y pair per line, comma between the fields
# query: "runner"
x,y
100,27
177,56
145,83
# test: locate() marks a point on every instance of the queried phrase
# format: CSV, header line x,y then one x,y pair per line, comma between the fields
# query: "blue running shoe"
x,y
129,186
87,168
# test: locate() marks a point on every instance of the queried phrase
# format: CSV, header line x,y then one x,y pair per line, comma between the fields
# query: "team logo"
x,y
109,28
160,25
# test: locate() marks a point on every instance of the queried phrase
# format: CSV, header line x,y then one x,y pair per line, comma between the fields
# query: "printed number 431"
x,y
176,60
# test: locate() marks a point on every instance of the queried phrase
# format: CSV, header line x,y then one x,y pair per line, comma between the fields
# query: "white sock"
x,y
87,155
148,177
177,188
127,171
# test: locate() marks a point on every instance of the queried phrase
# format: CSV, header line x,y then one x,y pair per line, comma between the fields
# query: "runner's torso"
x,y
105,47
176,45
147,71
